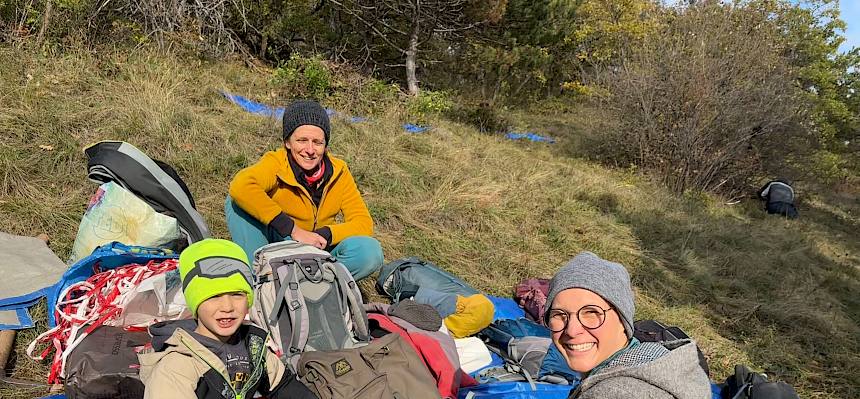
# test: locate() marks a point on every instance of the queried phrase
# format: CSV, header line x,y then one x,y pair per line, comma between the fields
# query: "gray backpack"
x,y
306,300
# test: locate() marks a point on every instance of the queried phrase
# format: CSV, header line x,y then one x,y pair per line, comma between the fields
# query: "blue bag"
x,y
105,257
401,279
528,350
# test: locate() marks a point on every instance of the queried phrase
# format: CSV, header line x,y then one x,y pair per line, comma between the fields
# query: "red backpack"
x,y
435,348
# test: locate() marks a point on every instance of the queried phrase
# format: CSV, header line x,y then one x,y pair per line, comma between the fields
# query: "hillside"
x,y
779,295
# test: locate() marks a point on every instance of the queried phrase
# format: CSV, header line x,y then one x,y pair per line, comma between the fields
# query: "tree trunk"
x,y
263,44
411,55
46,20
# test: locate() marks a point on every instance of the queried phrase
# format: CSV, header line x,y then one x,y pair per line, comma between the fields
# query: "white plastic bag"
x,y
155,299
115,214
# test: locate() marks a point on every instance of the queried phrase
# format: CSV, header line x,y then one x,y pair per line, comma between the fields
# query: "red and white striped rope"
x,y
89,304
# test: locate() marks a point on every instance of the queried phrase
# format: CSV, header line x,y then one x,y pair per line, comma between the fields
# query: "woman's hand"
x,y
308,237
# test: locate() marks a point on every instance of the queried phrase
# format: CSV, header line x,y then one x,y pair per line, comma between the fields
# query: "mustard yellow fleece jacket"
x,y
269,187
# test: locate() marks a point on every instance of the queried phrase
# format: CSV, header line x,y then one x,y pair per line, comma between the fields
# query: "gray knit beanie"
x,y
602,277
306,112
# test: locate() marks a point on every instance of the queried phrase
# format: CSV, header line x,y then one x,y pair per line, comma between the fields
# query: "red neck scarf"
x,y
316,176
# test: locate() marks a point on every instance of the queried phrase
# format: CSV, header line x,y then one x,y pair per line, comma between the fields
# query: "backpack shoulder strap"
x,y
353,298
296,309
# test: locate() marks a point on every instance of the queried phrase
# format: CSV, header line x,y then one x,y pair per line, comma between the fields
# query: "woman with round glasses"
x,y
591,319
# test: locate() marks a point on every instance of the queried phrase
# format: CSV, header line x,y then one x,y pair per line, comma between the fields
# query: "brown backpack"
x,y
386,368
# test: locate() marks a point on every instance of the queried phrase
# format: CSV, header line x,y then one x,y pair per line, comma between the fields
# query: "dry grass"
x,y
779,295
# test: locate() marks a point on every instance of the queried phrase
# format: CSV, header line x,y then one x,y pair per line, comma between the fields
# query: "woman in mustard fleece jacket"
x,y
298,191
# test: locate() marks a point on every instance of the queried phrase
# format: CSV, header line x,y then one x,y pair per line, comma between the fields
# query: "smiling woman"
x,y
591,319
298,192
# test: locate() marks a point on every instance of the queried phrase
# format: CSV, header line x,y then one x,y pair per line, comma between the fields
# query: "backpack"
x,y
528,352
152,181
531,294
306,300
104,365
436,349
779,198
655,331
745,384
400,279
386,368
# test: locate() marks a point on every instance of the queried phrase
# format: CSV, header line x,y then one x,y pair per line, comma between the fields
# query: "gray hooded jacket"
x,y
655,370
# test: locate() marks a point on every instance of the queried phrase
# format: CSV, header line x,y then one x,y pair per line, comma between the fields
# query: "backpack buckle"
x,y
295,304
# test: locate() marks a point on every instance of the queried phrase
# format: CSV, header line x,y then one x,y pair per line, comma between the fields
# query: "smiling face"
x,y
307,146
585,348
220,316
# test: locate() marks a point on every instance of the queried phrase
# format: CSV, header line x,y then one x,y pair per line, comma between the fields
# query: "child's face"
x,y
220,316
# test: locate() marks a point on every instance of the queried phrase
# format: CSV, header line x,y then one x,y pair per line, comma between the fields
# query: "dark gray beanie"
x,y
602,277
306,112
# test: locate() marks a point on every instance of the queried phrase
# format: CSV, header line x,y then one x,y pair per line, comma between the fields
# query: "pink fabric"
x,y
531,295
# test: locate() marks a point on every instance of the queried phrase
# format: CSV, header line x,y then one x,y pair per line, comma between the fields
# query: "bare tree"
x,y
404,25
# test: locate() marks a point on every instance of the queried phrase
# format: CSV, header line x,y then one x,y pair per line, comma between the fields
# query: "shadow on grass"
x,y
785,292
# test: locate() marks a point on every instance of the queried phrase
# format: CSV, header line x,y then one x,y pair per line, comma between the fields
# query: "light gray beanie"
x,y
602,277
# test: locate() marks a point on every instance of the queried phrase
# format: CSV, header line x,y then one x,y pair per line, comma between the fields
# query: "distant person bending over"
x,y
297,192
591,319
779,198
215,355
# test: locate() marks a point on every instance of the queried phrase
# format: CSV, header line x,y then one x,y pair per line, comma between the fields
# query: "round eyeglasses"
x,y
590,316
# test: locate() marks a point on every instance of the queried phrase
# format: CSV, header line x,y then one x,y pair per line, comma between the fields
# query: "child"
x,y
215,355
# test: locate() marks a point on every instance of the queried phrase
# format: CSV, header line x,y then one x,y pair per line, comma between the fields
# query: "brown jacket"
x,y
176,370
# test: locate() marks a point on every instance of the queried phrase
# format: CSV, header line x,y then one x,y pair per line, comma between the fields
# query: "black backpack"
x,y
655,331
745,384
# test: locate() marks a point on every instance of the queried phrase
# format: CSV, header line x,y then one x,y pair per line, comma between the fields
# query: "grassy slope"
x,y
780,295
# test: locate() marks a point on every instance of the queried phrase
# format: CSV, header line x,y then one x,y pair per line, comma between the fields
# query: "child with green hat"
x,y
216,354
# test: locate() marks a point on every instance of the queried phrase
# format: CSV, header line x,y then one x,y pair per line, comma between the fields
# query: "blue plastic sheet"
x,y
530,136
415,129
276,112
515,390
506,308
254,107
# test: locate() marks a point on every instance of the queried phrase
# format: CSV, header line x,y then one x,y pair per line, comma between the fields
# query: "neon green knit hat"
x,y
213,267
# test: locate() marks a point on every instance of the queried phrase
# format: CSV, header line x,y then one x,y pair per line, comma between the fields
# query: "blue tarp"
x,y
414,129
515,390
278,113
254,107
529,136
506,308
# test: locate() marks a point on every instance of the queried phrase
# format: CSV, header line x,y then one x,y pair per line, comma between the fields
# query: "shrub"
x,y
484,116
305,77
427,103
697,100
